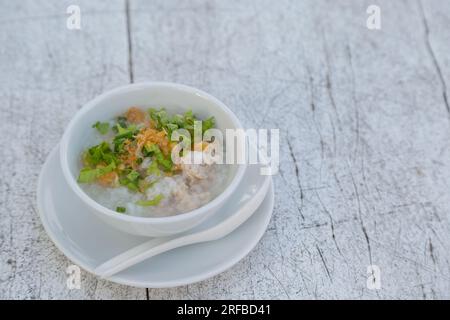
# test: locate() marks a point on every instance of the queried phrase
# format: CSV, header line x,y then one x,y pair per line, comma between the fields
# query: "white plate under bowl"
x,y
88,242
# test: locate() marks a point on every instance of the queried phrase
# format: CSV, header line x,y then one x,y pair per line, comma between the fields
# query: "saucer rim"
x,y
243,252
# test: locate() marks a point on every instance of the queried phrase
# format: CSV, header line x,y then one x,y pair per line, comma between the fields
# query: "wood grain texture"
x,y
364,121
47,73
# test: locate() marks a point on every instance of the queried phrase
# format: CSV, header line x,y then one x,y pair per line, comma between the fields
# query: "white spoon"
x,y
156,246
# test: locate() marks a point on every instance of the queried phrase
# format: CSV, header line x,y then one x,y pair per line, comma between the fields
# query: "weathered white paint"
x,y
364,123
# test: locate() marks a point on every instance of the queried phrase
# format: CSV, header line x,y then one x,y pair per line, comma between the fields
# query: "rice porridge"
x,y
131,170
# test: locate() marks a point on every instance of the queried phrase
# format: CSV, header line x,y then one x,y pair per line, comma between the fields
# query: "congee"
x,y
130,169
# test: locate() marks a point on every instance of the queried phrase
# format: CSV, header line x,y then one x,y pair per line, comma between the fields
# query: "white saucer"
x,y
88,242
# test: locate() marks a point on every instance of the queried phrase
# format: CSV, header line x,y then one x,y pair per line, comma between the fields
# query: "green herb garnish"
x,y
154,150
90,175
153,169
127,132
122,121
133,186
102,127
154,202
208,124
186,121
98,154
124,152
131,181
133,175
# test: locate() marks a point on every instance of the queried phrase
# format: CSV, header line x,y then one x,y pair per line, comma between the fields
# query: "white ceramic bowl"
x,y
175,98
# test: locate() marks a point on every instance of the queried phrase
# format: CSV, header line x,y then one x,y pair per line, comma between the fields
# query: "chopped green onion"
x,y
151,149
98,154
185,121
153,169
118,145
102,127
127,132
89,175
145,185
121,209
208,124
154,202
133,186
133,175
154,150
122,121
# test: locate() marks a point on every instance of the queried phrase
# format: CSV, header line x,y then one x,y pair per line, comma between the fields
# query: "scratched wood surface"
x,y
364,118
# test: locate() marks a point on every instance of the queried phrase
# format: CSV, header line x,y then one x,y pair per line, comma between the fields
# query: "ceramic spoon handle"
x,y
109,267
156,246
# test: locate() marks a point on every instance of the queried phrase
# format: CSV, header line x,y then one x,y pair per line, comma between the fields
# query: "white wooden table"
x,y
364,118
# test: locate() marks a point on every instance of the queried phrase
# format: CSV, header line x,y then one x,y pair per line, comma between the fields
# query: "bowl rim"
x,y
63,150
